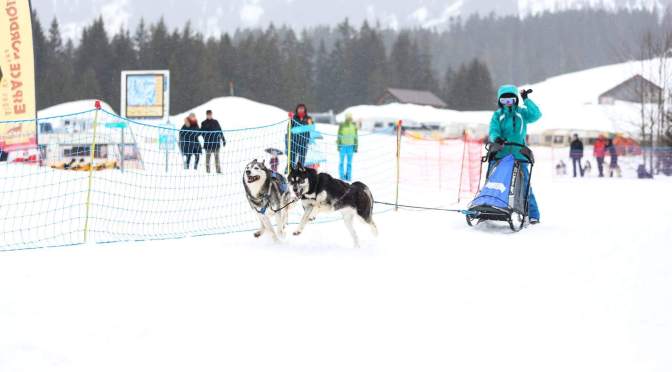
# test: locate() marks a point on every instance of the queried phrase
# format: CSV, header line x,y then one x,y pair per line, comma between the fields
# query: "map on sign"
x,y
145,96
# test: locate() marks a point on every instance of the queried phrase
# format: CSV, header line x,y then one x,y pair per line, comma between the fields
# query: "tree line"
x,y
336,67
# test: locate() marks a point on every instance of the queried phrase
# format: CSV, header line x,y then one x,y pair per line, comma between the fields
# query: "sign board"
x,y
145,95
167,138
18,129
116,125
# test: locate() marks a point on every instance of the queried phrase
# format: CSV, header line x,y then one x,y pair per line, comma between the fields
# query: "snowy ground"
x,y
587,290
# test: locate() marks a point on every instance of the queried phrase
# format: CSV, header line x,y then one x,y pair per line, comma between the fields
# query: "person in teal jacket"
x,y
347,142
509,124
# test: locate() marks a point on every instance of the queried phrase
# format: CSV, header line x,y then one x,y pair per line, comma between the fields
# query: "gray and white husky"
x,y
268,195
319,193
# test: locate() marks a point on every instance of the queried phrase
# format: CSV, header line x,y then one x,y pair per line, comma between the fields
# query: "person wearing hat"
x,y
509,124
347,146
213,139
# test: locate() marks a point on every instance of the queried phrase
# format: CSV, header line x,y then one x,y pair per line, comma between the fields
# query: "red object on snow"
x,y
98,107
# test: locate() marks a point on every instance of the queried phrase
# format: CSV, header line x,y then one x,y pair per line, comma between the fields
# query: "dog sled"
x,y
505,194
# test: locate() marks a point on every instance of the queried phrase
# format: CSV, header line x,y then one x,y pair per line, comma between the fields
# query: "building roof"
x,y
418,97
637,78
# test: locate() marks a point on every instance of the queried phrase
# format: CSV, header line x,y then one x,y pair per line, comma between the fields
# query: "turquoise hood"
x,y
507,89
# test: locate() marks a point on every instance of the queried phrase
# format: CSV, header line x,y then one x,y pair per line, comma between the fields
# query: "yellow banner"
x,y
17,76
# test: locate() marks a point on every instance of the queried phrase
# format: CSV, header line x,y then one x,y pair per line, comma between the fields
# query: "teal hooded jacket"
x,y
511,123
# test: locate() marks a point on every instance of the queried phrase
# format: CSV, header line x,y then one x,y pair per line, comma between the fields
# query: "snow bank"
x,y
621,117
585,87
236,113
571,101
70,108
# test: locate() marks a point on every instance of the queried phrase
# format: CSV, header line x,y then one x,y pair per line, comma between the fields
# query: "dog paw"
x,y
296,233
258,234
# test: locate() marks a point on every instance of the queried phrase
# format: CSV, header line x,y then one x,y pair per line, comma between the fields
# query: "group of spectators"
x,y
299,140
601,148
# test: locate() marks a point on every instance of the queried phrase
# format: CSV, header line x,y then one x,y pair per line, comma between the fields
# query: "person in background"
x,y
213,139
576,154
189,144
347,146
300,136
509,124
599,151
613,162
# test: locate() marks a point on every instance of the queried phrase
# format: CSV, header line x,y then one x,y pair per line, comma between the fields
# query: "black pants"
x,y
575,162
187,161
600,165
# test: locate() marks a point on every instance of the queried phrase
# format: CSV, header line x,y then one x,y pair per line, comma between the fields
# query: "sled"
x,y
505,194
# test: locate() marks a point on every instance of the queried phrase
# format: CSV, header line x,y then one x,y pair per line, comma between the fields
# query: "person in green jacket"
x,y
509,124
347,146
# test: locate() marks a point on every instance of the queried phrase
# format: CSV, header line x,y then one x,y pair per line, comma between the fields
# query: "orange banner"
x,y
17,77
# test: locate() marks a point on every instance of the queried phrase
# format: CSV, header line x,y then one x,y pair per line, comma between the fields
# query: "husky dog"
x,y
319,192
268,195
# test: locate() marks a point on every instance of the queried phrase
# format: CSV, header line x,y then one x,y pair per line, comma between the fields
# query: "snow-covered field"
x,y
586,290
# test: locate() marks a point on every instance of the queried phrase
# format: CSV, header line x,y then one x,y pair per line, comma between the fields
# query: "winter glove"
x,y
500,141
524,93
355,149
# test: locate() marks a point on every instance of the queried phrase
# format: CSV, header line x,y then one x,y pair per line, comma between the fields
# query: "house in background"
x,y
632,90
417,97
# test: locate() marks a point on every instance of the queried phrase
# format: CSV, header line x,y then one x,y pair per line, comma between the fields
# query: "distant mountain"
x,y
212,17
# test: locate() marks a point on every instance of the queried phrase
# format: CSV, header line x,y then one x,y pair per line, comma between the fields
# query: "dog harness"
x,y
265,201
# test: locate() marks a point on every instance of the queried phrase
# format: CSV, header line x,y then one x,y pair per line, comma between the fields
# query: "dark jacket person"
x,y
213,139
189,143
576,153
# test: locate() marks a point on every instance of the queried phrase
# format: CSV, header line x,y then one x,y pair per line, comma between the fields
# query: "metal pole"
x,y
464,151
396,199
289,143
40,161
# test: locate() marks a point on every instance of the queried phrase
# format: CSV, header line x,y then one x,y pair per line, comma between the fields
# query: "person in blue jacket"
x,y
509,124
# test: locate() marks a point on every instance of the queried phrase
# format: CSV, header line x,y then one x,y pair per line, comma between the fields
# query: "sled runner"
x,y
505,194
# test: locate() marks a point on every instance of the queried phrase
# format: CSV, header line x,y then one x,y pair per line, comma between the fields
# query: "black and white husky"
x,y
268,195
319,193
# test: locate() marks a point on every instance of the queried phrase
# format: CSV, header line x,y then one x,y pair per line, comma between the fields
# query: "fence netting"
x,y
97,177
